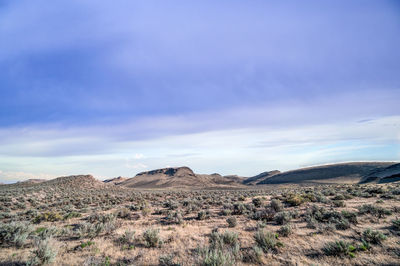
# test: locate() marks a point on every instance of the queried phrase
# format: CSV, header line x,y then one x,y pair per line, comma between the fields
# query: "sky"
x,y
113,88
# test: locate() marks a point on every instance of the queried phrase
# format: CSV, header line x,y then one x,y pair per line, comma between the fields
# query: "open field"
x,y
81,221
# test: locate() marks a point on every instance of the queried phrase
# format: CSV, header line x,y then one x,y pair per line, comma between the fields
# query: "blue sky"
x,y
221,86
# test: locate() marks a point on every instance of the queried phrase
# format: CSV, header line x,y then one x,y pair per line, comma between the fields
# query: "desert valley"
x,y
204,133
343,214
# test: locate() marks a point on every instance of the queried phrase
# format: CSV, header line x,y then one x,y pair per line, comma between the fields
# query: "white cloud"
x,y
10,176
138,156
136,166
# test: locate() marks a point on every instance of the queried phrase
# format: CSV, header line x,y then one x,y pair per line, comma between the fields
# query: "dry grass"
x,y
181,242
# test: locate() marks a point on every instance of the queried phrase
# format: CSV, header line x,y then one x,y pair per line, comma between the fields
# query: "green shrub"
x,y
282,217
373,237
44,252
127,239
377,211
48,217
152,238
124,213
294,200
339,203
316,215
238,208
226,239
232,222
276,205
339,248
285,230
72,215
396,224
257,202
350,216
215,257
44,233
86,244
253,255
202,215
15,233
266,240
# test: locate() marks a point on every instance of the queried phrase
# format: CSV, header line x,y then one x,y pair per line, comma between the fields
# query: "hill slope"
x,y
260,177
386,175
116,180
82,181
177,177
333,173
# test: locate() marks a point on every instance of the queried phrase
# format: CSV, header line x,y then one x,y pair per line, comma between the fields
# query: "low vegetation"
x,y
83,223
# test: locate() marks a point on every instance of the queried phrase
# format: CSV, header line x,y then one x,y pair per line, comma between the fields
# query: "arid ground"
x,y
81,221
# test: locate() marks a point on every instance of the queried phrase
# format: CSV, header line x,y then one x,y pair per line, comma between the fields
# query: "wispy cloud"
x,y
244,151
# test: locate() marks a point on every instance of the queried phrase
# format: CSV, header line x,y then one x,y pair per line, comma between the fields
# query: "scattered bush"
x,y
15,233
253,255
285,230
44,252
282,217
215,257
396,224
377,211
47,217
257,202
266,240
276,205
167,260
339,248
202,215
152,238
231,221
294,200
127,240
373,237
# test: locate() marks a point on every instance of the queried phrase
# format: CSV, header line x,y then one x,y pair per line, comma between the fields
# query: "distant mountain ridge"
x,y
184,177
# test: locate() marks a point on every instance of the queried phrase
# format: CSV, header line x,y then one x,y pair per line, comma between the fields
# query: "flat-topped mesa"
x,y
170,171
177,177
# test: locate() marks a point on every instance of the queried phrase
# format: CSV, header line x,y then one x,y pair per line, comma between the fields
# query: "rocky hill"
x,y
178,177
83,181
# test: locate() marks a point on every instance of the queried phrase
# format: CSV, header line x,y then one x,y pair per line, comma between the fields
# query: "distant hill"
x,y
385,175
332,173
185,178
178,177
83,181
73,181
260,177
